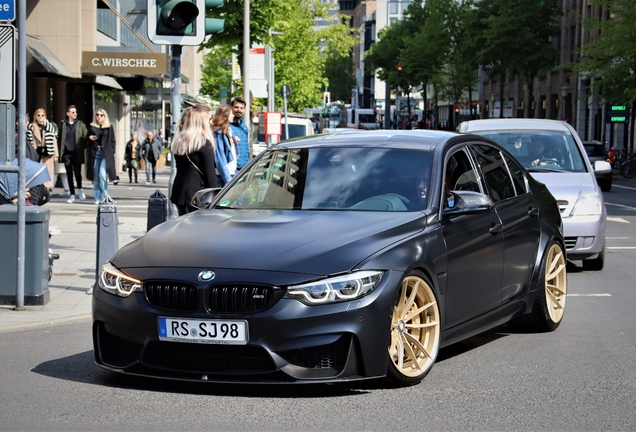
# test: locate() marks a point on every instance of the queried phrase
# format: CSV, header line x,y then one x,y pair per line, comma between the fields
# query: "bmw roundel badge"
x,y
206,276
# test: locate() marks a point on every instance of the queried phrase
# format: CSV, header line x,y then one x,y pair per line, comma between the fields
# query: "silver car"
x,y
554,154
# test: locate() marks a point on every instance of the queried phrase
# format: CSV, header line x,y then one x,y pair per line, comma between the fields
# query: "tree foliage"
x,y
611,57
300,53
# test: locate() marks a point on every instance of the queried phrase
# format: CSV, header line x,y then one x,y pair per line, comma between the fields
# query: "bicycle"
x,y
619,159
628,168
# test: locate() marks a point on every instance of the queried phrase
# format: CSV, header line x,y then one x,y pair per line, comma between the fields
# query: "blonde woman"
x,y
100,157
193,149
42,135
224,141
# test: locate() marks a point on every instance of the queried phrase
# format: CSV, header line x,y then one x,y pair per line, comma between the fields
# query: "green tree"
x,y
216,71
611,58
341,77
299,54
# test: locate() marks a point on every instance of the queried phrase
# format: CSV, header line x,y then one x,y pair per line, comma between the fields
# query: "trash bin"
x,y
36,255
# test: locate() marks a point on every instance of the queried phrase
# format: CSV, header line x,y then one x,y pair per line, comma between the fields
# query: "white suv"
x,y
554,154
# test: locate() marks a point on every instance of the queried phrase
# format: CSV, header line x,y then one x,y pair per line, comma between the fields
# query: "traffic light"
x,y
456,110
399,68
182,22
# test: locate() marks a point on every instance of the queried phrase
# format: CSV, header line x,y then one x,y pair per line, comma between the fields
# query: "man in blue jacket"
x,y
241,131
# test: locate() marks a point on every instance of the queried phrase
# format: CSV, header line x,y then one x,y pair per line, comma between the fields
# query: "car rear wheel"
x,y
415,332
549,302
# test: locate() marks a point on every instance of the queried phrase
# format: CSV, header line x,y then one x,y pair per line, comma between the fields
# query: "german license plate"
x,y
223,332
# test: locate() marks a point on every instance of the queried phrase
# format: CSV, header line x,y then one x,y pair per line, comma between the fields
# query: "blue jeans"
x,y
100,177
147,170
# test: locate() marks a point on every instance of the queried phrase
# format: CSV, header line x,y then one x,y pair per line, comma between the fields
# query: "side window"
x,y
518,179
495,172
460,175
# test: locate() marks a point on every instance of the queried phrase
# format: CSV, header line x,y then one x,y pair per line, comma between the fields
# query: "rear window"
x,y
595,150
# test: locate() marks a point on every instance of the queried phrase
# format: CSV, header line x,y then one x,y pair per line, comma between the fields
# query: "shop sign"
x,y
124,63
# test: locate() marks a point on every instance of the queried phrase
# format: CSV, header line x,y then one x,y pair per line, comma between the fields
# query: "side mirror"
x,y
468,202
602,167
204,197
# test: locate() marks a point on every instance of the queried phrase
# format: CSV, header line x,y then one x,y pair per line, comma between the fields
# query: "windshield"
x,y
541,150
335,178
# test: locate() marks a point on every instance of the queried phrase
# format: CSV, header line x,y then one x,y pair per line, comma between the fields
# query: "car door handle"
x,y
533,211
496,228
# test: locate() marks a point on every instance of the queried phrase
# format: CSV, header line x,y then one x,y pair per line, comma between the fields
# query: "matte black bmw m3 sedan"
x,y
341,257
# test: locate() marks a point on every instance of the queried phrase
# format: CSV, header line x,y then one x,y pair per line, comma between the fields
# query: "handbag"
x,y
40,194
124,167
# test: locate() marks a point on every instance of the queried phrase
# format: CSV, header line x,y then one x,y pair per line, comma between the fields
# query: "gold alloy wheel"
x,y
556,284
415,328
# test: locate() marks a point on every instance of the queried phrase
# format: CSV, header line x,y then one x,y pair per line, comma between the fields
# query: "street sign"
x,y
7,10
7,63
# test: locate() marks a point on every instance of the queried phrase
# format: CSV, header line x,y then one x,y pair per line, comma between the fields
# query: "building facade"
x,y
96,53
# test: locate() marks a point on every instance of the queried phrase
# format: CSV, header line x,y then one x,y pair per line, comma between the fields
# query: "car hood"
x,y
290,241
567,186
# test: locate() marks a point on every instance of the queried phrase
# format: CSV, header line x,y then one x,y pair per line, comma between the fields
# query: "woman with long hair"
x,y
42,135
225,146
193,148
100,157
132,156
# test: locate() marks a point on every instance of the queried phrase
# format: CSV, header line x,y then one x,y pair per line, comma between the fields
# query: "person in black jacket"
x,y
193,149
100,157
132,156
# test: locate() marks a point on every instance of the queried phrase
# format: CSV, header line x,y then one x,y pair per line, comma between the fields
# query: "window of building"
x,y
106,19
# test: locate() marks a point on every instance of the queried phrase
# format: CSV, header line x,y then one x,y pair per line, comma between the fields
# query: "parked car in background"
x,y
335,258
596,151
299,126
554,154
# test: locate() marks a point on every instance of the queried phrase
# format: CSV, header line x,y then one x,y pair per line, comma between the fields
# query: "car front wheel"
x,y
549,302
415,332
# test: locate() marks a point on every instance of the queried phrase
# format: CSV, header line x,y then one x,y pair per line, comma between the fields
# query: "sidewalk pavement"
x,y
74,271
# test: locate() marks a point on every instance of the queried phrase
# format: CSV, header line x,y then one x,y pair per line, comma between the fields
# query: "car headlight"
x,y
335,289
114,281
588,204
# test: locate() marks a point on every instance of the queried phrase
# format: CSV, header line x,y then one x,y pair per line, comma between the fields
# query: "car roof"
x,y
513,124
417,139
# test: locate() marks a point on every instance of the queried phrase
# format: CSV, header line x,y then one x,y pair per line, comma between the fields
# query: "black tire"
x,y
549,301
605,185
414,341
628,170
595,264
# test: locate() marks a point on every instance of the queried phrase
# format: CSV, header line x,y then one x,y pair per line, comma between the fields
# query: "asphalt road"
x,y
580,377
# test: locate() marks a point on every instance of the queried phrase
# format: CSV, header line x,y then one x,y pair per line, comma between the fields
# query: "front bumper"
x,y
289,342
584,236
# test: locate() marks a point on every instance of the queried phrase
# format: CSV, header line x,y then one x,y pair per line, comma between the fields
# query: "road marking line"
x,y
622,247
590,295
621,206
617,219
623,187
617,238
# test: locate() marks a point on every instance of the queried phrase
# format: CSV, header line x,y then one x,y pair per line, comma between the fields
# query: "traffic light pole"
x,y
175,108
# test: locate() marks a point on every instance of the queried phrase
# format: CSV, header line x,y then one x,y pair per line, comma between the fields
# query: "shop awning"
x,y
46,60
108,82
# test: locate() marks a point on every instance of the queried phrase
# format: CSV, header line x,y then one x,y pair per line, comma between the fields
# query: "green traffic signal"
x,y
176,17
214,25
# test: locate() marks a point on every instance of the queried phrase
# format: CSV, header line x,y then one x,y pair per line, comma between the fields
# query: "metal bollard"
x,y
107,232
157,209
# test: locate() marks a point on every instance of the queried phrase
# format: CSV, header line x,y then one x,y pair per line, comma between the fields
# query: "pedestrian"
x,y
161,138
100,155
72,144
42,135
132,156
241,132
193,149
151,150
225,150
